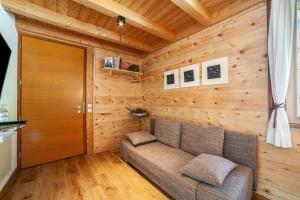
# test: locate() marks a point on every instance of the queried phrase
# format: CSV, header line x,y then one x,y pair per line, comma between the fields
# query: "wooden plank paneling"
x,y
113,9
155,23
43,30
89,99
33,11
195,9
111,94
241,105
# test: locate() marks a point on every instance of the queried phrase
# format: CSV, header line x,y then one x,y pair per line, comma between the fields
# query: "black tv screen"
x,y
4,60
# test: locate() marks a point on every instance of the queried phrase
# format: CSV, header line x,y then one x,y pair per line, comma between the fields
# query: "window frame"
x,y
270,97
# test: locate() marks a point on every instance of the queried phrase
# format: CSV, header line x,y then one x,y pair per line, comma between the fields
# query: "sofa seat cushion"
x,y
237,186
162,165
197,139
168,132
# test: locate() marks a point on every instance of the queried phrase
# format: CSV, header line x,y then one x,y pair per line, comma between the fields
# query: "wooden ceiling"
x,y
150,24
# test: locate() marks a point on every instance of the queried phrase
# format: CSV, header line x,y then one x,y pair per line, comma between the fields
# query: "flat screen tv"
x,y
5,53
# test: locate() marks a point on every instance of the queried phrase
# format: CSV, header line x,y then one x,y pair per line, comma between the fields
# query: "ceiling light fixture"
x,y
120,21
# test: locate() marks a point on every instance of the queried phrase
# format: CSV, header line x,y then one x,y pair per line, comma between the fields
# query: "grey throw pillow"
x,y
209,168
139,138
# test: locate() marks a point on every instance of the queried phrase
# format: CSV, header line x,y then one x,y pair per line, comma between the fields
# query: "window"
x,y
293,96
298,59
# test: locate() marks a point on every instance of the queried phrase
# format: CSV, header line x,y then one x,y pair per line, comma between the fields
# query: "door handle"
x,y
78,108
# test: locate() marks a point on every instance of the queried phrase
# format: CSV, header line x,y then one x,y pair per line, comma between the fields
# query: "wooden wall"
x,y
111,94
241,105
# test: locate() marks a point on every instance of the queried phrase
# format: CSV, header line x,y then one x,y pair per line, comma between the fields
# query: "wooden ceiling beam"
x,y
196,10
33,11
113,9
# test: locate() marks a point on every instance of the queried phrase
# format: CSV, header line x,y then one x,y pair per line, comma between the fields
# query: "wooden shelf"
x,y
122,72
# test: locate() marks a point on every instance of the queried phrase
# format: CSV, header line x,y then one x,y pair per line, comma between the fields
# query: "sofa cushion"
x,y
162,165
237,186
140,138
209,168
168,132
197,139
241,149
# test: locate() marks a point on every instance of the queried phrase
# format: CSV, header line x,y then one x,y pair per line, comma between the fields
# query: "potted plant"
x,y
134,68
137,112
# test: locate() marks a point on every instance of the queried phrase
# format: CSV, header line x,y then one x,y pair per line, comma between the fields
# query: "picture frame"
x,y
171,79
108,62
117,63
215,71
189,76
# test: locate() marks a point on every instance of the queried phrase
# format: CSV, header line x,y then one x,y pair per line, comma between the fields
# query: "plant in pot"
x,y
137,112
134,68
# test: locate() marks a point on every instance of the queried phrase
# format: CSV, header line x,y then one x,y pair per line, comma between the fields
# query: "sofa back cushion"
x,y
168,132
241,149
197,139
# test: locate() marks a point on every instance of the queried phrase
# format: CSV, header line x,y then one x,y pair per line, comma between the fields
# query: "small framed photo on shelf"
x,y
117,62
108,62
171,79
215,71
189,76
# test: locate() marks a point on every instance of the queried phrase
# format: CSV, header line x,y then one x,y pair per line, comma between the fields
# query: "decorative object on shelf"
x,y
120,21
122,64
171,79
137,112
108,62
215,71
117,62
189,76
134,68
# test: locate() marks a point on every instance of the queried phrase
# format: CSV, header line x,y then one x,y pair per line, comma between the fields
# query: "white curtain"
x,y
280,44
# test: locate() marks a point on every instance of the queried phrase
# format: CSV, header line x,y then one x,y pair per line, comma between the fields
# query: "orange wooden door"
x,y
52,99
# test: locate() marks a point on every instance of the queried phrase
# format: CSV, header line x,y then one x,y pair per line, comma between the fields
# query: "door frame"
x,y
86,144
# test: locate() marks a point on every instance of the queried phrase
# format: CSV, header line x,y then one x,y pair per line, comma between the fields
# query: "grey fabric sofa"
x,y
162,163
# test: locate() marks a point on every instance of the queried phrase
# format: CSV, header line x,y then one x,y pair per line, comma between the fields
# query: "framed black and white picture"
x,y
117,61
215,71
189,76
108,62
171,79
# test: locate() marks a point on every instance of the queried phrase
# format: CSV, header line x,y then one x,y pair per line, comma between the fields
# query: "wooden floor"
x,y
103,176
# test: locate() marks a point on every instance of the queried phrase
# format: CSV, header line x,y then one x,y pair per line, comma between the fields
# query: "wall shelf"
x,y
121,72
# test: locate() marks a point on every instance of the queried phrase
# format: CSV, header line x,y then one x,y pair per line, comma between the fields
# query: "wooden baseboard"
x,y
9,183
257,196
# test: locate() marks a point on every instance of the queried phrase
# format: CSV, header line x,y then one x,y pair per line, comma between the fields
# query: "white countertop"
x,y
7,133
